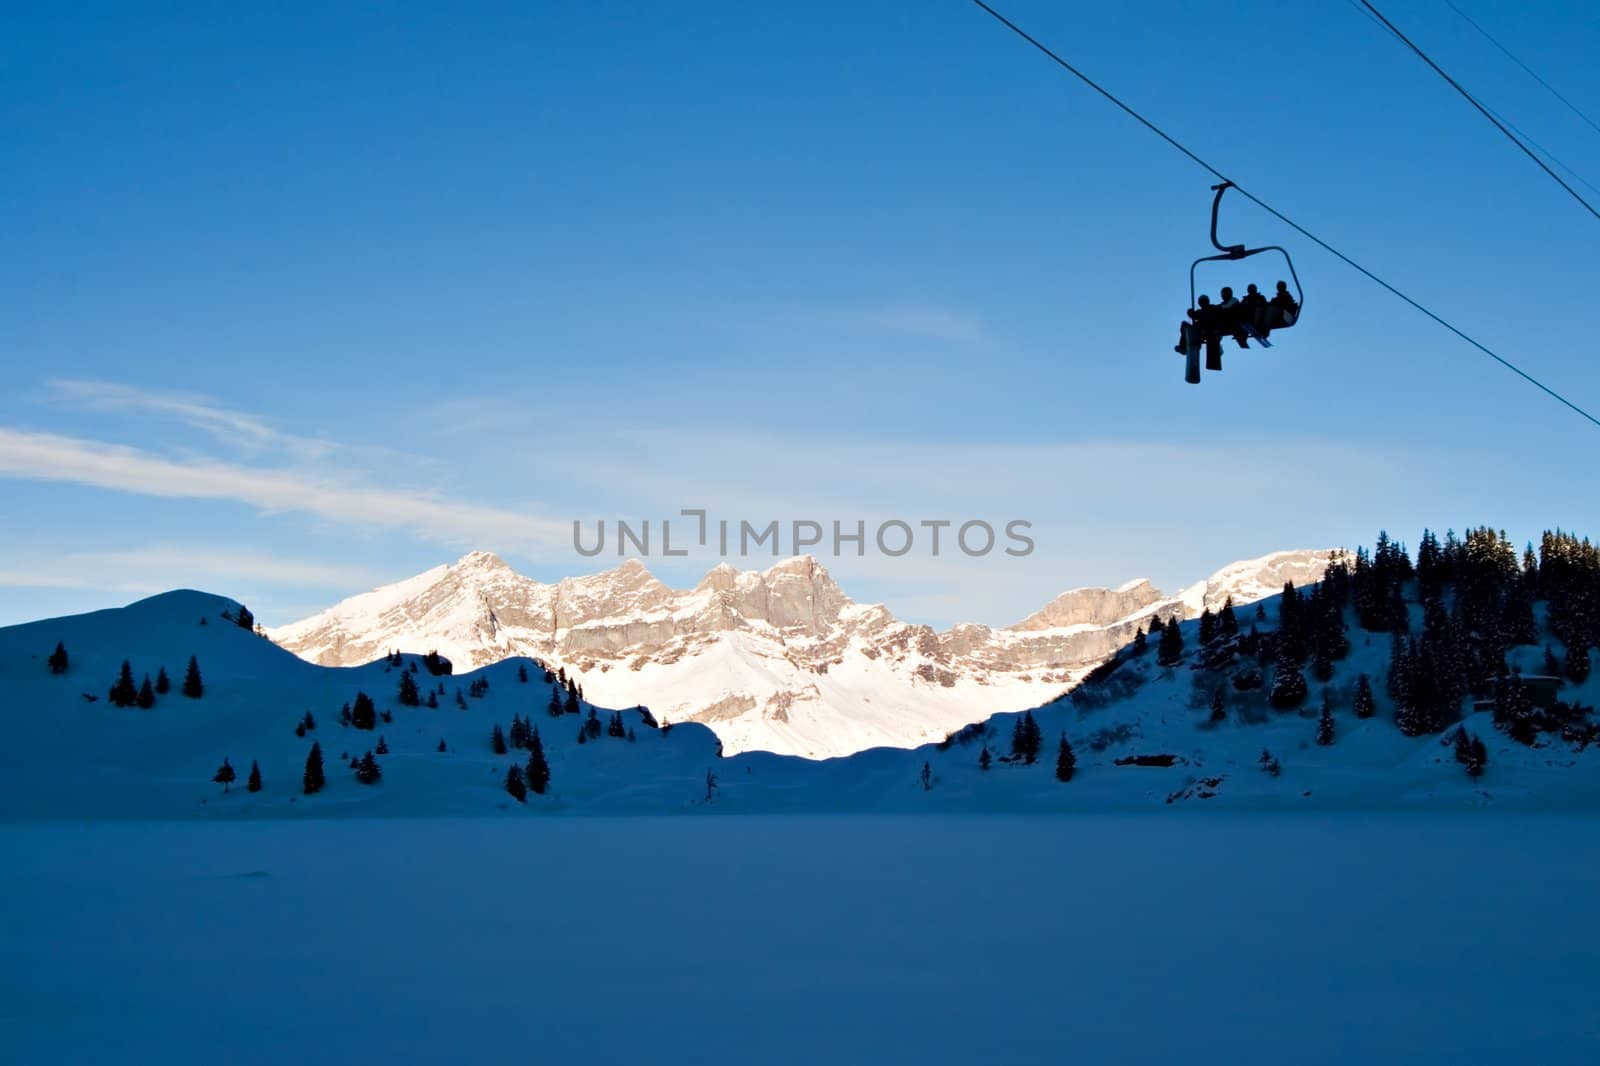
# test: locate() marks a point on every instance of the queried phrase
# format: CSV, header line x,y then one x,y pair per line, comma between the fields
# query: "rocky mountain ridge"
x,y
779,659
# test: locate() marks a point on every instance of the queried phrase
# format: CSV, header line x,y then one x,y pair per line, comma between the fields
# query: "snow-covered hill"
x,y
778,660
71,753
74,753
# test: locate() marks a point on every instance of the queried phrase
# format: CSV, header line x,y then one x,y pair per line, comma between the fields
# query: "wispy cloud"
x,y
1102,510
164,566
50,457
237,428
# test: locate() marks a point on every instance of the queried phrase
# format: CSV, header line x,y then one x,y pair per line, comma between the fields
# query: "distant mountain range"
x,y
1177,722
778,660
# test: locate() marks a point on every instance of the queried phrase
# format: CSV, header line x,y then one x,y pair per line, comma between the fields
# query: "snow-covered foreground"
x,y
1199,937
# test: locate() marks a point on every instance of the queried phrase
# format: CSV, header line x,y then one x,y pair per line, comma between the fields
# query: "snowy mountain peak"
x,y
796,564
481,561
720,578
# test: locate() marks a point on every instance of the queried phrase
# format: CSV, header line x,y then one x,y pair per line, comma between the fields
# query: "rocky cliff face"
x,y
779,659
1092,607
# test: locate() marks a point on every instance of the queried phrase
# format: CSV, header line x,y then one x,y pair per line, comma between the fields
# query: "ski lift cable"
x,y
1547,153
1551,89
1484,111
1280,216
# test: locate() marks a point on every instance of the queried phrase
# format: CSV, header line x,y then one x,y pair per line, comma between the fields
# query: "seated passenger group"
x,y
1240,319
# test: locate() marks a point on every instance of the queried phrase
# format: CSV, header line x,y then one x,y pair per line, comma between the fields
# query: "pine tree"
x,y
1156,624
1511,700
1365,707
147,694
254,783
123,693
193,687
1399,668
1219,706
244,618
1516,620
443,747
1410,720
1514,705
163,683
583,735
1321,665
1066,760
58,659
383,746
984,758
225,775
1269,763
312,781
571,705
711,784
1227,622
1288,684
1463,745
538,768
615,728
1430,563
1478,759
1026,738
1325,729
433,700
497,740
631,737
1169,651
309,722
409,696
368,772
1208,627
364,714
1288,606
591,724
1576,667
515,784
522,673
926,777
555,704
1140,641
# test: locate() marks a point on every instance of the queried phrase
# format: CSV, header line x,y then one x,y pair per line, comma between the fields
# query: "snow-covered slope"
x,y
73,752
69,753
778,660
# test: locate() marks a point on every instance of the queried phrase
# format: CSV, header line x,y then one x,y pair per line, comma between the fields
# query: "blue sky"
x,y
305,300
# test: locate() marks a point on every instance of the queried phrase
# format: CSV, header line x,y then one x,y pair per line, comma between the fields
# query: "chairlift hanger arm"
x,y
1231,251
